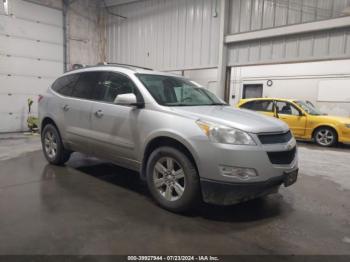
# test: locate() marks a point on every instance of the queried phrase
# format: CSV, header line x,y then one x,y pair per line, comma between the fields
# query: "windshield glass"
x,y
309,108
176,91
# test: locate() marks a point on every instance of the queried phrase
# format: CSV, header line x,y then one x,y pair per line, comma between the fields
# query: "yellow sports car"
x,y
304,119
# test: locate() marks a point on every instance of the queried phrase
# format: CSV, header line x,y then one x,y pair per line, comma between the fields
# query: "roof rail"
x,y
82,66
123,65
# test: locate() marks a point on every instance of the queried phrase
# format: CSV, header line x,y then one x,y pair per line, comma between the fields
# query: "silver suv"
x,y
188,144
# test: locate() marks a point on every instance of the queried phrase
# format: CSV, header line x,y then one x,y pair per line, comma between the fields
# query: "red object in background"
x,y
40,97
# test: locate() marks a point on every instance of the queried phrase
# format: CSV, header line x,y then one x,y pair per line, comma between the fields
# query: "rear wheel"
x,y
53,148
325,136
172,179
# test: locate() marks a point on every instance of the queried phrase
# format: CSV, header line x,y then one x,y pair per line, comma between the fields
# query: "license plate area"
x,y
290,178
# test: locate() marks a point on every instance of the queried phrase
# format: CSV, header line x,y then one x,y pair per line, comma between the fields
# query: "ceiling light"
x,y
6,6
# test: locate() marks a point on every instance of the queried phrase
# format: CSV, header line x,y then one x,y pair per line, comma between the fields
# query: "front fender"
x,y
170,134
335,127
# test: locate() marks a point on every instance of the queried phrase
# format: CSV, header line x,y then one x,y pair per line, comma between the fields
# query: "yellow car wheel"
x,y
325,136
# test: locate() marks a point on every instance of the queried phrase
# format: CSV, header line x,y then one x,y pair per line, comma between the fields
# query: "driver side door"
x,y
288,113
115,126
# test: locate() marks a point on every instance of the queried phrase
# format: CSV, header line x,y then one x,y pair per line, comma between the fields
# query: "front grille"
x,y
275,138
282,157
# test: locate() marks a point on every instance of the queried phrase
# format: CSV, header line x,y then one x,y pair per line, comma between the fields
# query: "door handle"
x,y
66,108
99,113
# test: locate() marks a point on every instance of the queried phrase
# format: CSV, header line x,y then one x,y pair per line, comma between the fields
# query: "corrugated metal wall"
x,y
306,47
253,15
165,34
183,34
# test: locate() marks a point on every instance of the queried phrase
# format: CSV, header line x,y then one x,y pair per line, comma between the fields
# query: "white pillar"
x,y
222,63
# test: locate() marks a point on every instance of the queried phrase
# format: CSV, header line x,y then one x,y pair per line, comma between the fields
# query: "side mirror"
x,y
127,100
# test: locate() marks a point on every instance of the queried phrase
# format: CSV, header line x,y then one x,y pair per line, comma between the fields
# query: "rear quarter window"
x,y
87,83
65,84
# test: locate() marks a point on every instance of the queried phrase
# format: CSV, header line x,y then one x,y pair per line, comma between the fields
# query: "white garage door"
x,y
31,57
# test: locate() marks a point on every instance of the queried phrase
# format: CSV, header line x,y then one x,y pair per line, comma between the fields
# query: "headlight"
x,y
224,134
347,125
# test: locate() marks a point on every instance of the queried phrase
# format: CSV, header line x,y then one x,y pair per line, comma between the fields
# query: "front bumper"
x,y
272,164
223,193
344,137
213,156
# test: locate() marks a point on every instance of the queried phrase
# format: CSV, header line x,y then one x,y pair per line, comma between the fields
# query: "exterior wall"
x,y
165,34
300,81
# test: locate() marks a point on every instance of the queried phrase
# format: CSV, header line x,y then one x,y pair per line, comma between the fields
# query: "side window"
x,y
118,84
264,105
248,105
286,108
64,85
260,105
86,85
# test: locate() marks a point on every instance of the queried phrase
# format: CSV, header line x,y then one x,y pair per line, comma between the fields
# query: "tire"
x,y
325,136
175,190
52,145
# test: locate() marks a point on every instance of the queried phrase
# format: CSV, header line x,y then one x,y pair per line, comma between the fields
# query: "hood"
x,y
245,120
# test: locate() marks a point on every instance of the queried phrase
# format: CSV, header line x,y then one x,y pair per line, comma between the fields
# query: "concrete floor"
x,y
15,144
92,207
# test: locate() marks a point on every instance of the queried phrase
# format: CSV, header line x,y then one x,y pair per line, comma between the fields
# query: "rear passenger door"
x,y
58,106
77,111
114,126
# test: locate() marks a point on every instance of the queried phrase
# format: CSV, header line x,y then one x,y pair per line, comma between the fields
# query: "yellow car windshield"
x,y
310,109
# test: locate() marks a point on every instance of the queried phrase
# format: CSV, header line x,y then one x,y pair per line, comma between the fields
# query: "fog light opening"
x,y
238,172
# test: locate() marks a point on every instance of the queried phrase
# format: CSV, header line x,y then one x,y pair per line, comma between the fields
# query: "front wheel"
x,y
53,148
172,179
325,136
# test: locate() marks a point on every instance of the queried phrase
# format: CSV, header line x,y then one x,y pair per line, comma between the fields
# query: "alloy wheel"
x,y
50,142
169,178
325,137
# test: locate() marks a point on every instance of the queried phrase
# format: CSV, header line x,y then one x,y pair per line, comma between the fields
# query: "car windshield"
x,y
309,108
176,91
